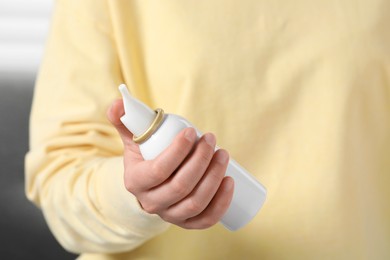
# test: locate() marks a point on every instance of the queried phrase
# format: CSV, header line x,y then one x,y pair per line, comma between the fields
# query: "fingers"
x,y
172,157
187,176
185,184
199,199
216,209
157,171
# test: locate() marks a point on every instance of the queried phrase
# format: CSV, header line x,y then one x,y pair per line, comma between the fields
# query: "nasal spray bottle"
x,y
154,131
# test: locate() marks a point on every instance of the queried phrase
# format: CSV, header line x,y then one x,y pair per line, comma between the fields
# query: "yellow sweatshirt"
x,y
298,91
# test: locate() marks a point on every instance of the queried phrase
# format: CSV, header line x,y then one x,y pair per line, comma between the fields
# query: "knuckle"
x,y
188,226
158,172
208,222
130,180
156,167
165,217
129,186
179,188
194,207
126,141
151,208
168,218
205,156
216,176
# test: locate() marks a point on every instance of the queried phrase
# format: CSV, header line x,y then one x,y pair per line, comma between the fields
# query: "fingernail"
x,y
190,134
210,139
223,156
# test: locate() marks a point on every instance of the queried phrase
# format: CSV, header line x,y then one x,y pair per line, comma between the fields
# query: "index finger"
x,y
162,167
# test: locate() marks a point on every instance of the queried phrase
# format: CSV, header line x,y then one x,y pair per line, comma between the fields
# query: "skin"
x,y
185,185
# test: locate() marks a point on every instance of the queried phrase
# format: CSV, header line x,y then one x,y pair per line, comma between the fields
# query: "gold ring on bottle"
x,y
152,128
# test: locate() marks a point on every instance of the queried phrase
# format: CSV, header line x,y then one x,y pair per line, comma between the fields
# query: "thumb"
x,y
114,114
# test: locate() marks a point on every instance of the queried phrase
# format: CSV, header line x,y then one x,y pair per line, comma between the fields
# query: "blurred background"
x,y
23,28
24,25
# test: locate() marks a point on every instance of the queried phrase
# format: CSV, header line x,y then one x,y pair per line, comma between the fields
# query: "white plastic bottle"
x,y
155,131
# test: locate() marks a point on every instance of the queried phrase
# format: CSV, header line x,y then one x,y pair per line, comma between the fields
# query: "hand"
x,y
185,185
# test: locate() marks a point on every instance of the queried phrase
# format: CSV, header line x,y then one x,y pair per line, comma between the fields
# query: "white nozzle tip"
x,y
138,117
123,88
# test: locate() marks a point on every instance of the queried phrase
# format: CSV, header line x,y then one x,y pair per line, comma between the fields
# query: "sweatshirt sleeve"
x,y
74,169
